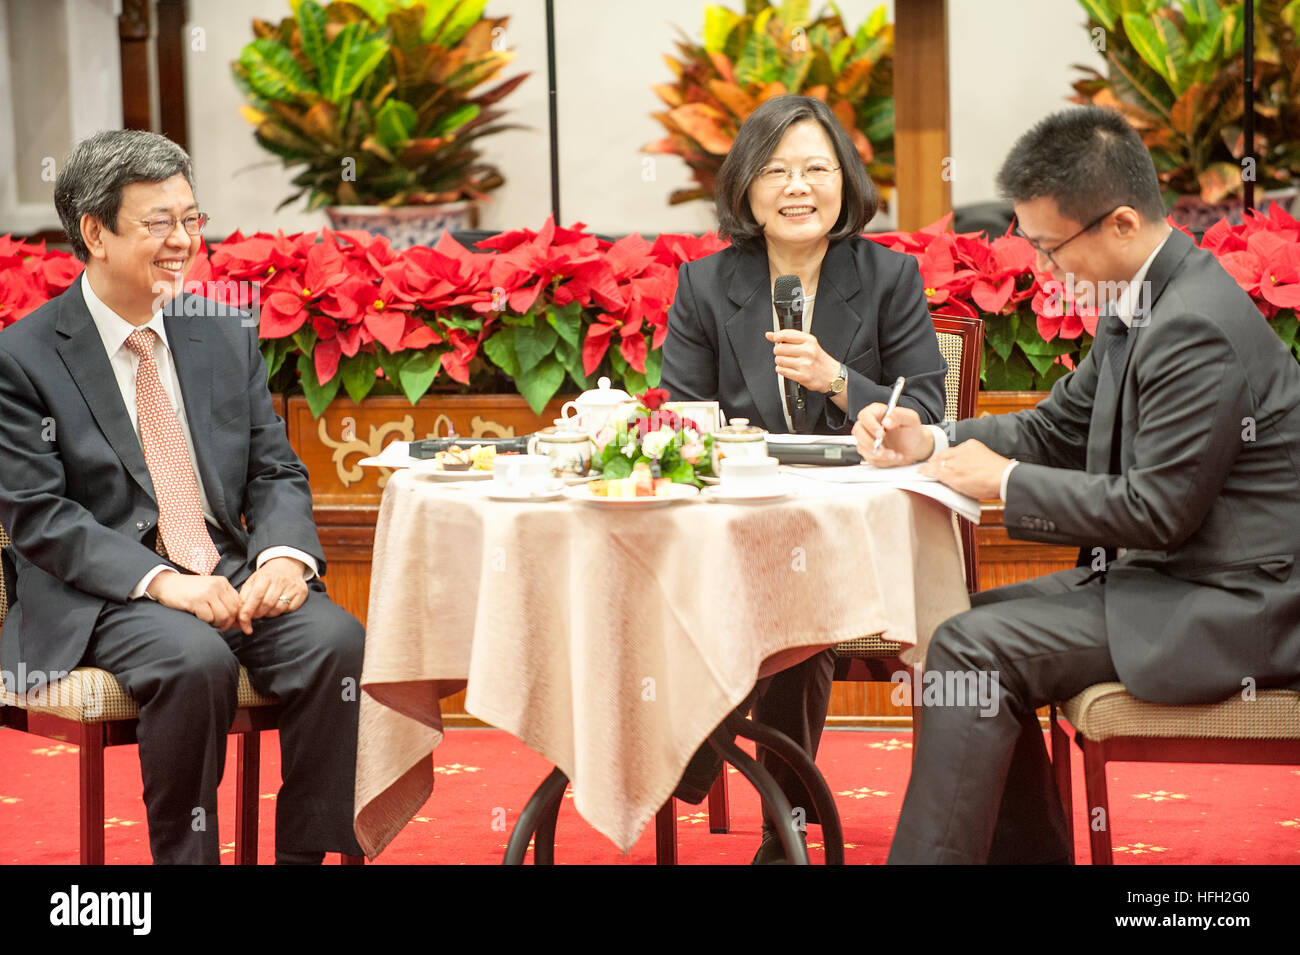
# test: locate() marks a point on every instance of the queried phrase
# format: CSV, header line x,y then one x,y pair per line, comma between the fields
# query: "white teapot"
x,y
601,407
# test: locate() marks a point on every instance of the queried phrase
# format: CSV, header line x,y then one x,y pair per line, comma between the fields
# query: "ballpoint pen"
x,y
893,403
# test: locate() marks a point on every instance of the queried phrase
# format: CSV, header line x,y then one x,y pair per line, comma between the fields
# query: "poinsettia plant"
x,y
551,311
672,445
1034,332
30,275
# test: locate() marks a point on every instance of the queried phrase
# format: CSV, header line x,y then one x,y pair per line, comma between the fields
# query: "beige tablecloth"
x,y
612,641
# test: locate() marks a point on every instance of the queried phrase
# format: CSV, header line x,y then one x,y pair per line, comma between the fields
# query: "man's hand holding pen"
x,y
970,468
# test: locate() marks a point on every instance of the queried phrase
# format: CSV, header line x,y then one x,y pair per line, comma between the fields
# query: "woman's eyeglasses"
x,y
162,226
814,174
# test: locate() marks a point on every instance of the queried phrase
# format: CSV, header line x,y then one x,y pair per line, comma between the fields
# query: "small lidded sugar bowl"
x,y
738,438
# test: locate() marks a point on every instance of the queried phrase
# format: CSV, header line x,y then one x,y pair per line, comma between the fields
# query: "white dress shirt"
x,y
1125,307
114,331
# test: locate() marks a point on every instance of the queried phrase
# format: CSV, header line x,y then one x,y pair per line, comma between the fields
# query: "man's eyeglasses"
x,y
162,226
814,174
1050,253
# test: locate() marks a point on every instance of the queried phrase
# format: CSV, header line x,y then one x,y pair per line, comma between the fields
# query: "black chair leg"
x,y
538,805
775,806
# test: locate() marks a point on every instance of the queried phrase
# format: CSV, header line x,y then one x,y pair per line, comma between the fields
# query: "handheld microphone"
x,y
787,297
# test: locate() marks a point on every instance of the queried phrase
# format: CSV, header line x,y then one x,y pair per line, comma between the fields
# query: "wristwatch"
x,y
837,384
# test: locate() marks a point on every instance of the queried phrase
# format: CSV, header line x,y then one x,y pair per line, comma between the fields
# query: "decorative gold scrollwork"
x,y
351,474
479,427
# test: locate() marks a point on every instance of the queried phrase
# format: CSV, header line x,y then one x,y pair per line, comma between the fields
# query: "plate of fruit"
x,y
473,463
641,489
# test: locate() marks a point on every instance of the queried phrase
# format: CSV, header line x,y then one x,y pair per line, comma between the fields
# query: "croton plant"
x,y
550,311
770,50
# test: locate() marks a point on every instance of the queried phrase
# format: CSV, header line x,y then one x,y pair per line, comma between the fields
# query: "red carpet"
x,y
1162,813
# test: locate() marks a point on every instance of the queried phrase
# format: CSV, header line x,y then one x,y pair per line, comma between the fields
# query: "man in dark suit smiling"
x,y
163,531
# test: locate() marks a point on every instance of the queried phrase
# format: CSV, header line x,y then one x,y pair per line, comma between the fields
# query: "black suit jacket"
x,y
75,492
1204,491
870,313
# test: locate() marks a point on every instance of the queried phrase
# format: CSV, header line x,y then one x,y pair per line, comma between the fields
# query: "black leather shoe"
x,y
771,852
299,858
701,773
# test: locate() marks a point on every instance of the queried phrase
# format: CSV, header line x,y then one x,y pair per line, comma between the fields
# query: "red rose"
x,y
653,398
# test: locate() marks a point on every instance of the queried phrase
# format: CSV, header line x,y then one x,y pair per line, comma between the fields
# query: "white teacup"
x,y
521,473
742,473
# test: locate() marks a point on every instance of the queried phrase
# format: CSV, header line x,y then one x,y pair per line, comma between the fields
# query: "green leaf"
x,y
654,360
840,52
567,322
318,396
435,13
718,22
376,10
311,30
761,61
454,28
1146,40
681,473
1207,45
1234,26
634,382
1000,334
1013,375
539,384
348,61
358,375
617,467
533,344
876,22
877,120
272,71
395,123
1175,55
1101,11
417,374
454,120
1286,326
500,350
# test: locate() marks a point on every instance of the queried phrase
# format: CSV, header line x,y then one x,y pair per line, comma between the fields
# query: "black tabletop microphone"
x,y
787,296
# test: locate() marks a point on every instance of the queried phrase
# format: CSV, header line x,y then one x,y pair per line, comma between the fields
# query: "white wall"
x,y
1010,65
59,82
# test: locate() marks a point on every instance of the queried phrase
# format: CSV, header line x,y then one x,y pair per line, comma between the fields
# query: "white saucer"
x,y
762,494
553,492
431,473
676,492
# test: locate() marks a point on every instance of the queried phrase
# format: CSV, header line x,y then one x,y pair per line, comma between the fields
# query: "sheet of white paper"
x,y
396,454
859,474
903,478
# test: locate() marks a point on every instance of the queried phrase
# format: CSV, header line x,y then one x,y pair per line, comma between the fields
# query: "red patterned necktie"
x,y
181,528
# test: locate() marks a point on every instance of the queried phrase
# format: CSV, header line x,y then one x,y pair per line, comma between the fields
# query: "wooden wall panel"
x,y
921,149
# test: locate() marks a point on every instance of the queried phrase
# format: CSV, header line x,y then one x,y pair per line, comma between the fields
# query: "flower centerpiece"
x,y
672,445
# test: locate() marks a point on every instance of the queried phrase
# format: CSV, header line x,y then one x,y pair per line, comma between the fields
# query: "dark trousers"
x,y
794,702
182,673
982,789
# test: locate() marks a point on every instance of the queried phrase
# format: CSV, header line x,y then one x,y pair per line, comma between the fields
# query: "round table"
x,y
612,640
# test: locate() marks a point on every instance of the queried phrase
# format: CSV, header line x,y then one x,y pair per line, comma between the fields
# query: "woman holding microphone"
x,y
793,198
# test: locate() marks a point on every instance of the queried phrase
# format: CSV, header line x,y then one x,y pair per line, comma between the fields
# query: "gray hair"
x,y
101,166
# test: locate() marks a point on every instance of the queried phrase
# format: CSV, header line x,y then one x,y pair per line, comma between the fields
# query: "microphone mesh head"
x,y
786,289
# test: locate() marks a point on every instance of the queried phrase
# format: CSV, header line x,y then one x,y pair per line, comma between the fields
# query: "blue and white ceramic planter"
x,y
403,226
